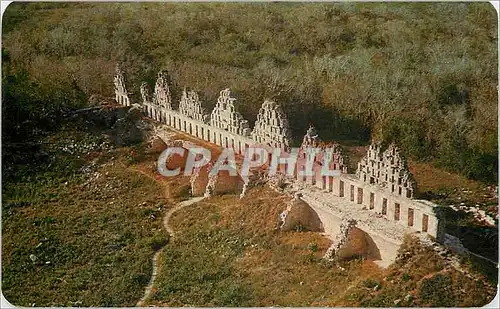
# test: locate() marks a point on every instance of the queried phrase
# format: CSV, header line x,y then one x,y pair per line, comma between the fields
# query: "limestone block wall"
x,y
190,106
271,126
387,169
224,115
161,96
121,94
382,182
145,93
330,151
198,128
417,215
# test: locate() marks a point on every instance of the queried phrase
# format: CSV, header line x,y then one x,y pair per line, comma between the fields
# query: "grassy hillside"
x,y
81,215
421,74
228,252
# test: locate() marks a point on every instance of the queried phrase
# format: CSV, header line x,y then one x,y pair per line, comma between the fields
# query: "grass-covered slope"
x,y
79,228
228,252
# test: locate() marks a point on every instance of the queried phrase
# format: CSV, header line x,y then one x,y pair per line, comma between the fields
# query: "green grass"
x,y
228,253
93,222
93,240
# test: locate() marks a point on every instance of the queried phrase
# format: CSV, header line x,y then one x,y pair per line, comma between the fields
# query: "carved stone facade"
x,y
387,169
382,185
145,93
224,116
190,106
121,94
162,96
271,126
330,153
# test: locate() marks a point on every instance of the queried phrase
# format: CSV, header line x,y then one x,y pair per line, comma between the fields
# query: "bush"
x,y
437,291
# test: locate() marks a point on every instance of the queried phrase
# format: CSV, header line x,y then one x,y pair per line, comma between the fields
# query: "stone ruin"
x,y
204,184
387,169
341,240
190,106
299,216
271,126
311,138
162,96
224,115
227,128
332,151
145,93
121,93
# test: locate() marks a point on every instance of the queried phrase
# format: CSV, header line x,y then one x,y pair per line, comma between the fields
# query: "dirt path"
x,y
167,227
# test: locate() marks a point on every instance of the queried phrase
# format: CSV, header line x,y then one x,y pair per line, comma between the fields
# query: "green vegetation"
x,y
81,218
420,278
421,74
77,227
227,252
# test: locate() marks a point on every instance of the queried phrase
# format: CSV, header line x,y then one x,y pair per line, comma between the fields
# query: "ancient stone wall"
x,y
121,94
382,185
161,96
329,153
190,106
271,126
224,116
387,169
145,93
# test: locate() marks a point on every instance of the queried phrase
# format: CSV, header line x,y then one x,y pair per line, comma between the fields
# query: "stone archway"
x,y
359,244
299,216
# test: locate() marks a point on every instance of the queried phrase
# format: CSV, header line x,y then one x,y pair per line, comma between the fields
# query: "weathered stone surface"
x,y
387,169
224,116
271,126
121,93
162,96
190,105
311,138
328,152
145,93
204,184
300,216
341,239
383,216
